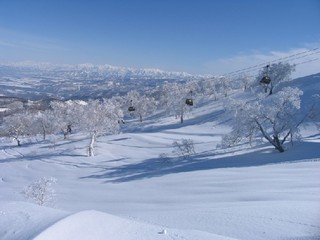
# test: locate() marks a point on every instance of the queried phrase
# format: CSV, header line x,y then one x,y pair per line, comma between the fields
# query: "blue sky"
x,y
195,36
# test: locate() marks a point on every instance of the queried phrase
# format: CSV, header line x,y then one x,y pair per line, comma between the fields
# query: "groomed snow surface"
x,y
136,188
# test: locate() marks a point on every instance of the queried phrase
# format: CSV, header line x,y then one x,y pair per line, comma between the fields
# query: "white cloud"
x,y
307,60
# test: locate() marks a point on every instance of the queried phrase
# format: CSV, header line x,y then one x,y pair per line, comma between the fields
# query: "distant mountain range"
x,y
90,70
42,80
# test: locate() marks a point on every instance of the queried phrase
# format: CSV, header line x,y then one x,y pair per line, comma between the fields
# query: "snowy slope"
x,y
127,191
22,220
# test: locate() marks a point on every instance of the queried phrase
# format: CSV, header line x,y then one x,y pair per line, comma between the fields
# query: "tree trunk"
x,y
91,145
271,89
140,116
181,118
275,141
277,144
18,141
65,134
44,133
270,93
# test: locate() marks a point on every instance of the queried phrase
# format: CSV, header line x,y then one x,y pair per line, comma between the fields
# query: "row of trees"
x,y
93,117
105,116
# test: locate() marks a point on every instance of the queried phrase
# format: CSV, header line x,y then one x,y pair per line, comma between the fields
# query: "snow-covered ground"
x,y
136,188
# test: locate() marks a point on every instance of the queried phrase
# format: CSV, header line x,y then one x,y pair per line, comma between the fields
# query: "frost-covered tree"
x,y
274,118
44,122
119,107
99,117
193,86
165,93
209,88
147,105
245,81
41,191
67,115
272,114
223,85
120,102
18,125
278,73
313,109
142,104
174,99
184,148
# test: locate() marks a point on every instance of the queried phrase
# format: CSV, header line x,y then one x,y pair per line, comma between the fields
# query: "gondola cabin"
x,y
265,80
189,101
131,109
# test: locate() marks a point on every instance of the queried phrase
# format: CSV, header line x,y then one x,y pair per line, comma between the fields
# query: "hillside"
x,y
137,188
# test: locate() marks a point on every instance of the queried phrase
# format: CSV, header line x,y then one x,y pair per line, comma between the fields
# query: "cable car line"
x,y
296,64
289,58
311,60
292,58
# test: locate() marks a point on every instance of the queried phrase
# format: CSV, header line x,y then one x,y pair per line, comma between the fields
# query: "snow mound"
x,y
22,220
97,225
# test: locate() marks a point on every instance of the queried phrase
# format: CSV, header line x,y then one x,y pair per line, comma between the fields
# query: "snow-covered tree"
x,y
17,125
41,191
44,122
99,117
142,104
165,93
147,105
119,107
314,110
67,115
273,118
245,81
193,86
209,88
174,99
272,114
223,85
277,72
217,86
184,148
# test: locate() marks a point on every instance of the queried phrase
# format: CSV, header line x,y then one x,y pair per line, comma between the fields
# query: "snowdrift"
x,y
96,225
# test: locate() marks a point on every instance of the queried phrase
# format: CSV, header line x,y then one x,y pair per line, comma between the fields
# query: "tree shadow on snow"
x,y
156,167
152,126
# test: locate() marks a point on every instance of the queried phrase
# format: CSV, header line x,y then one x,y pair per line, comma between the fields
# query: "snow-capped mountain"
x,y
103,70
43,80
